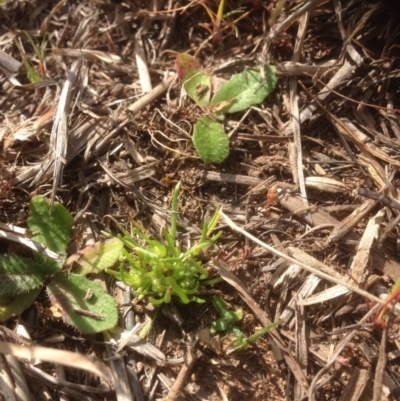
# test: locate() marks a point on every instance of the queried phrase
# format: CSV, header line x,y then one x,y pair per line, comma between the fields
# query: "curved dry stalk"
x,y
310,269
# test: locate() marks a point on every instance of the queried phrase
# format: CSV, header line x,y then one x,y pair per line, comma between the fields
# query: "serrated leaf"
x,y
83,303
244,90
12,305
210,141
51,228
19,275
100,256
196,83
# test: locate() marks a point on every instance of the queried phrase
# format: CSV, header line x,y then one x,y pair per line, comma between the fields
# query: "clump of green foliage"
x,y
242,91
162,270
227,323
79,301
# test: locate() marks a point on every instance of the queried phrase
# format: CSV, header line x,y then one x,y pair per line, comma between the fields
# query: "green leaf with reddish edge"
x,y
51,228
11,305
83,303
19,275
244,90
96,258
196,83
210,141
184,64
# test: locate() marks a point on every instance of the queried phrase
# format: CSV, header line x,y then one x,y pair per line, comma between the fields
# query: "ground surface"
x,y
330,128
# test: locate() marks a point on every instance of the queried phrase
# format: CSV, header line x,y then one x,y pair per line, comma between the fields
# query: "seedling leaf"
x,y
12,305
50,227
196,83
244,90
19,275
94,259
210,141
83,303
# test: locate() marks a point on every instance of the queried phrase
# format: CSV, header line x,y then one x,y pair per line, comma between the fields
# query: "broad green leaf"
x,y
198,87
12,305
96,258
210,141
50,228
197,83
83,303
19,275
244,90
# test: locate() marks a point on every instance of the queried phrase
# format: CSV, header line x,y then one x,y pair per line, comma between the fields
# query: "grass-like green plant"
x,y
34,75
227,323
81,302
160,269
242,91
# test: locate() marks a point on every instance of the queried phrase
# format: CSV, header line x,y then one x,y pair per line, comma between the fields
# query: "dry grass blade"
x,y
66,358
298,171
339,348
88,54
175,392
310,269
326,184
142,347
302,345
140,54
119,375
9,64
358,266
59,132
290,68
131,187
20,239
380,367
337,80
154,94
356,385
284,25
348,223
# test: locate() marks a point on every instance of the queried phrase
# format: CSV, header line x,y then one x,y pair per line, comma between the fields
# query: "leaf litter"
x,y
111,142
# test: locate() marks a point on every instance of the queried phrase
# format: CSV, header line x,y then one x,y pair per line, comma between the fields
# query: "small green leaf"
x,y
196,83
31,74
19,275
96,258
185,64
244,343
219,325
83,303
244,90
12,305
51,228
233,316
198,87
210,141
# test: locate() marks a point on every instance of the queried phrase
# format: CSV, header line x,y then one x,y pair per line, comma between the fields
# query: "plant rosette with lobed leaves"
x,y
79,301
162,270
242,91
